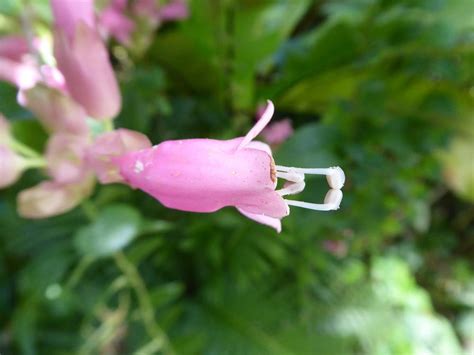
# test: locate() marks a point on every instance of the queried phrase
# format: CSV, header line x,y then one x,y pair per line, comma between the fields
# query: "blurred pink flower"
x,y
205,175
56,111
337,248
50,198
13,48
22,75
278,132
172,11
11,166
114,22
110,145
83,59
65,157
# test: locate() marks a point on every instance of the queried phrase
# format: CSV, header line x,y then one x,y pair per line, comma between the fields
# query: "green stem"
x,y
35,163
78,272
23,149
146,308
108,125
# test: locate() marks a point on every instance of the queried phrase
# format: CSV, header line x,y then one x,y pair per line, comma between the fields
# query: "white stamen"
x,y
332,201
291,176
138,167
292,189
334,175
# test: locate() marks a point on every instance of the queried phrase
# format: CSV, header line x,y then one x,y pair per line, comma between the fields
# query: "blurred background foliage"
x,y
382,88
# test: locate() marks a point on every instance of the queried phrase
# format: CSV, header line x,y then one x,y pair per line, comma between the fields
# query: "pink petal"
x,y
260,218
113,144
175,10
49,198
13,47
11,166
260,125
88,72
23,76
201,175
278,132
57,112
113,22
69,13
65,156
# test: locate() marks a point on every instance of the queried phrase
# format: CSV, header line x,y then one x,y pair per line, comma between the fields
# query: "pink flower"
x,y
174,10
22,75
11,166
83,59
278,132
56,111
51,198
110,145
113,22
65,157
337,248
205,175
13,48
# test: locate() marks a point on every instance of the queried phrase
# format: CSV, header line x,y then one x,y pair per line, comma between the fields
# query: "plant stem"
x,y
78,272
23,149
160,338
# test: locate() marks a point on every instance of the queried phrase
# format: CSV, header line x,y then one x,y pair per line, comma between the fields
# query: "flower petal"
x,y
49,198
113,144
11,166
65,156
199,175
69,13
57,112
259,126
89,76
260,218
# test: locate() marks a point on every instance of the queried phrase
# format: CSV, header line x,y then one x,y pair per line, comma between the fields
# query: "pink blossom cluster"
x,y
67,99
81,92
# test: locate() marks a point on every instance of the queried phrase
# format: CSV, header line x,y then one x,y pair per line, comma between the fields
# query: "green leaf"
x,y
114,229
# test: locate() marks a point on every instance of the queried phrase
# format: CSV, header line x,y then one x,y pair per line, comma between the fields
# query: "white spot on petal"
x,y
138,167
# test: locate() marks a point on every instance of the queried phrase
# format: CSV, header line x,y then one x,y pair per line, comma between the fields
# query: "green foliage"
x,y
381,88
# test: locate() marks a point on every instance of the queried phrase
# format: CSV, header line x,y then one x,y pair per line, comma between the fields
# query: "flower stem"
x,y
160,339
23,149
35,163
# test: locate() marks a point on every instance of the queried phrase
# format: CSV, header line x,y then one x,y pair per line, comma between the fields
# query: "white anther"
x,y
292,189
336,178
334,198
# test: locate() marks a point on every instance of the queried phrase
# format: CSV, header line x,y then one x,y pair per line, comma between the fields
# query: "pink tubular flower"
x,y
113,22
110,145
205,175
11,166
51,198
13,47
174,10
65,157
56,111
83,58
